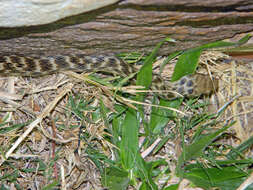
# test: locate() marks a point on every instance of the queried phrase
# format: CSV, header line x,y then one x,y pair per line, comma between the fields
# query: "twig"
x,y
32,125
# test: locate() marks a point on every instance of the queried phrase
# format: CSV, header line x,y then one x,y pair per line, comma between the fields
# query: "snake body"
x,y
23,65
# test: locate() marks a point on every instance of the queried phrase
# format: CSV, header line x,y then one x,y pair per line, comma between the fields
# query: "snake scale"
x,y
32,65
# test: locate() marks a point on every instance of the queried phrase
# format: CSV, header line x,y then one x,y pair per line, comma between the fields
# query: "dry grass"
x,y
40,124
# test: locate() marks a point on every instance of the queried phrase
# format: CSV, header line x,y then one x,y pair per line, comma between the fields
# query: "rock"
x,y
16,13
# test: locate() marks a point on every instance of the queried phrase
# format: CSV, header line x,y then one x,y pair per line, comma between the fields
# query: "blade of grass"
x,y
188,61
144,76
242,147
195,149
160,117
145,173
131,159
129,142
169,58
115,178
227,178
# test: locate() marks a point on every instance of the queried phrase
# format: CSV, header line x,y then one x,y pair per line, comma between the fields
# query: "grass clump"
x,y
99,142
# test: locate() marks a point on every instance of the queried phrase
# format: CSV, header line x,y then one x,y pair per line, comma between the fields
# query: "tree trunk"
x,y
134,26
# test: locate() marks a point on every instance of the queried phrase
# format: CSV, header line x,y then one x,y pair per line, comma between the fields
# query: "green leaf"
x,y
129,142
195,150
244,39
153,166
168,59
161,116
145,186
188,61
99,159
117,121
245,49
11,128
234,153
227,178
3,187
131,159
222,163
144,76
103,112
186,64
132,57
11,177
51,186
172,187
144,172
115,178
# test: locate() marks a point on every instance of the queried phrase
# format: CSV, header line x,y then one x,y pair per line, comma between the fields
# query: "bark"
x,y
134,26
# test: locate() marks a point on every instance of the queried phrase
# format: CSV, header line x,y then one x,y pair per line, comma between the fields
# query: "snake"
x,y
35,65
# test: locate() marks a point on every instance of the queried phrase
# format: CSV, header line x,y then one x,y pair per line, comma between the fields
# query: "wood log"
x,y
134,26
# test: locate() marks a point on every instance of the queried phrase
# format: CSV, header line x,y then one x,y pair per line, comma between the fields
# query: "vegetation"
x,y
136,150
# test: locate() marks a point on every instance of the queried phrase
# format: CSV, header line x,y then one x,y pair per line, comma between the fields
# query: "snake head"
x,y
188,86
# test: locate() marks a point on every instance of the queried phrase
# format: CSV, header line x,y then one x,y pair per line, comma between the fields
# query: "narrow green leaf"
x,y
145,186
11,128
222,163
245,49
103,112
188,61
172,187
161,144
168,59
242,147
220,44
144,76
186,64
51,186
227,178
115,178
3,187
244,39
160,116
195,150
129,142
144,172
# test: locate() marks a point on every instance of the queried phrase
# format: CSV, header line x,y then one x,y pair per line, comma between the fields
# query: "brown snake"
x,y
21,65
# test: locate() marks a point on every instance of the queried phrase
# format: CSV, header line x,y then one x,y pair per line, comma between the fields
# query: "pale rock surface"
x,y
15,13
